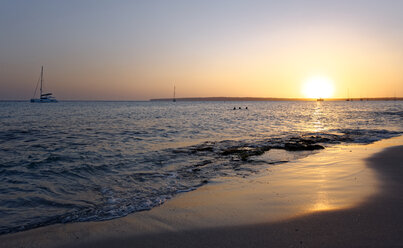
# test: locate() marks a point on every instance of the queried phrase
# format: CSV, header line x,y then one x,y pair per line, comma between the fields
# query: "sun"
x,y
318,87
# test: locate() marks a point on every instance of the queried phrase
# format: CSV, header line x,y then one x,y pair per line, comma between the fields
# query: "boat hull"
x,y
43,100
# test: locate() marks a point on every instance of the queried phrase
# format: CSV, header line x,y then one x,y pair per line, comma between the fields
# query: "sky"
x,y
137,50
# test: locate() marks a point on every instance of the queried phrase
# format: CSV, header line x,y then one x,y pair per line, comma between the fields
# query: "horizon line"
x,y
277,99
230,99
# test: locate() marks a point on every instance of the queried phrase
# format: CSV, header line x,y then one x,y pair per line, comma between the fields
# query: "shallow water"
x,y
81,161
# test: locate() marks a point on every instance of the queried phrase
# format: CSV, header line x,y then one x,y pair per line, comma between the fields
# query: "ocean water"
x,y
89,161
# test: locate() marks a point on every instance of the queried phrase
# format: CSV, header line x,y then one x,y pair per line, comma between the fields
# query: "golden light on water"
x,y
318,87
322,202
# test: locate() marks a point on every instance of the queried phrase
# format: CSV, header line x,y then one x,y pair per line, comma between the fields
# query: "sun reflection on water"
x,y
317,116
322,202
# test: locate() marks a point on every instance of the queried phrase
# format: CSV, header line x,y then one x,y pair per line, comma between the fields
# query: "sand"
x,y
346,196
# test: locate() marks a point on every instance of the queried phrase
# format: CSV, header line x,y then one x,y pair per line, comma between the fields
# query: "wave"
x,y
64,189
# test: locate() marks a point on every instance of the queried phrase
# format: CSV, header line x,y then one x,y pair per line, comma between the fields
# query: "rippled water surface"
x,y
81,161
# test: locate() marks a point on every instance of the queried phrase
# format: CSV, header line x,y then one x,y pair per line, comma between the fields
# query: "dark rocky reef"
x,y
245,152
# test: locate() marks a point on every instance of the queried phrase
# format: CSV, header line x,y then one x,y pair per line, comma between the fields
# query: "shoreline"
x,y
240,213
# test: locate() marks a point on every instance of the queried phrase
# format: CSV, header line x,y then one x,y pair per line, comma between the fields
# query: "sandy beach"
x,y
345,196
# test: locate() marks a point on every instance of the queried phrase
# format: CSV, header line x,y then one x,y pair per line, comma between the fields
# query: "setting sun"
x,y
318,87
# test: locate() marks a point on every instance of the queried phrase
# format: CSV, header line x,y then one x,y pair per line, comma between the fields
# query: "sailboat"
x,y
174,99
43,97
348,95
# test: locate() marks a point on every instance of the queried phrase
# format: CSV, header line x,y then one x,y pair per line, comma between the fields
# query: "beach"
x,y
346,196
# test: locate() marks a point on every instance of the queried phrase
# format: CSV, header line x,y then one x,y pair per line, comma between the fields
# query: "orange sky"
x,y
100,50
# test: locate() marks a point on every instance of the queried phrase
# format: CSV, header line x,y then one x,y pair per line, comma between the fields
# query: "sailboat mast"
x,y
41,80
174,94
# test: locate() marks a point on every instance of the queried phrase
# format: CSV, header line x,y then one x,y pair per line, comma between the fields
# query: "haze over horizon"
x,y
137,50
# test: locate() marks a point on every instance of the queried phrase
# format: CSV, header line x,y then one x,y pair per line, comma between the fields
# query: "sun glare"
x,y
318,87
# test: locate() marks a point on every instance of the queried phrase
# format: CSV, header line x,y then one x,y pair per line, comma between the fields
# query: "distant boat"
x,y
43,97
319,100
174,99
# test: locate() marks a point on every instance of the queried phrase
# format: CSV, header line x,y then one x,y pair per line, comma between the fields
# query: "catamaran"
x,y
43,97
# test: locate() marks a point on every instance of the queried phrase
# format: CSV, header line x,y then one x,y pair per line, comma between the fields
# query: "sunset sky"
x,y
137,50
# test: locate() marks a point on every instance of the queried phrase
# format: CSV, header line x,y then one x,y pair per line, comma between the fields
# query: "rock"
x,y
302,147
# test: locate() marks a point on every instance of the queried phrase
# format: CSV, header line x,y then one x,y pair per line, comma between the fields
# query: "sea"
x,y
92,161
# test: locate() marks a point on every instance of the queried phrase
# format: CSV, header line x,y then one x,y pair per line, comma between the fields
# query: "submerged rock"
x,y
245,152
302,147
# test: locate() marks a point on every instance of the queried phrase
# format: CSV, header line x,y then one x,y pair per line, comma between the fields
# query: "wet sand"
x,y
342,197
